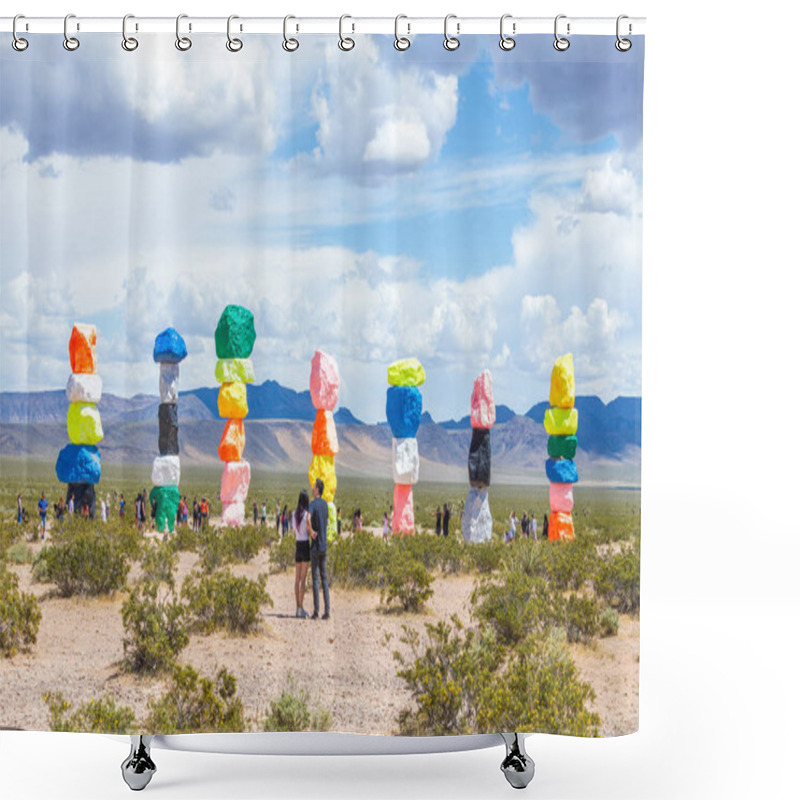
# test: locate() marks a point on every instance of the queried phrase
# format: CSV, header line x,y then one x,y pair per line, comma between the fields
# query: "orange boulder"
x,y
231,445
82,344
324,441
560,527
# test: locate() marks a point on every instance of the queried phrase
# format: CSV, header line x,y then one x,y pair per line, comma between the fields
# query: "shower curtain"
x,y
320,385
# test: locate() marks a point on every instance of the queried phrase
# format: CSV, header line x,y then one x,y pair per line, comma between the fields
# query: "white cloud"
x,y
402,141
610,190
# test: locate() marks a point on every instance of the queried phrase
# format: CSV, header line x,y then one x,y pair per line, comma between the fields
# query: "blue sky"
x,y
475,209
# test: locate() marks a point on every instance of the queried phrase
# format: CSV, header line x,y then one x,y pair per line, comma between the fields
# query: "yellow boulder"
x,y
83,424
562,383
323,467
561,421
232,400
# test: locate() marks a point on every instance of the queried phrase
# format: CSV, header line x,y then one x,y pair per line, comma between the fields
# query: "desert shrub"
x,y
195,704
281,555
464,682
609,622
515,604
444,677
485,557
358,561
617,580
538,690
84,562
97,716
20,553
221,600
153,618
221,546
565,565
185,538
407,581
20,615
581,618
291,711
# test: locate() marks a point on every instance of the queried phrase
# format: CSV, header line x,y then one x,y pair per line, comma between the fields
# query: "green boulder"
x,y
165,499
235,333
562,446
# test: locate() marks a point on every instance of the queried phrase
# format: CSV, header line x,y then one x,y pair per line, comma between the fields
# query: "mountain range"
x,y
278,430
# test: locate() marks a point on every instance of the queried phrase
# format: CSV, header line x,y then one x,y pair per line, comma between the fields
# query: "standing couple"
x,y
310,523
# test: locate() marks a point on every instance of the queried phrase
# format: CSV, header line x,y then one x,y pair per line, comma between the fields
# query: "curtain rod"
x,y
330,25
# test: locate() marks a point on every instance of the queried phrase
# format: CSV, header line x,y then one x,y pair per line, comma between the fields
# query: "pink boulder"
x,y
561,497
482,414
235,482
324,383
233,514
403,514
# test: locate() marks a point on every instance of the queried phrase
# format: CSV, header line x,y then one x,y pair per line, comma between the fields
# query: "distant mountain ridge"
x,y
33,424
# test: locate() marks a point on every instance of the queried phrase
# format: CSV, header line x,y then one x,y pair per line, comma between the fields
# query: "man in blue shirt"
x,y
43,506
318,513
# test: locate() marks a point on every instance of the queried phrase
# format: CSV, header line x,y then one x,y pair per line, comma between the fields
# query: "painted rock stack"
x,y
78,464
403,412
234,338
561,422
324,386
168,352
476,522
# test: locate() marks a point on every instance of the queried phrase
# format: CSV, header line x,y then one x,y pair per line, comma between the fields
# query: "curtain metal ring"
x,y
70,42
345,42
507,42
623,45
129,43
289,45
401,42
451,42
18,43
234,45
561,43
183,43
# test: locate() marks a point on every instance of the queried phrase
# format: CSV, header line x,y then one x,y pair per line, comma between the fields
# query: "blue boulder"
x,y
403,411
561,470
78,463
169,347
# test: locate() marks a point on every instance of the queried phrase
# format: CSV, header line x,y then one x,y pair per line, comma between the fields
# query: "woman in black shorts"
x,y
302,552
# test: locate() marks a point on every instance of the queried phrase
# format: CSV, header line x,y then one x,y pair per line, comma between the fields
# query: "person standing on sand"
x,y
264,514
255,512
532,527
285,519
318,513
19,509
42,506
385,525
446,520
302,552
121,506
544,527
438,520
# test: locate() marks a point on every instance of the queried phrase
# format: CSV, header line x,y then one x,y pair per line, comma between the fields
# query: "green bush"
x,y
20,615
358,561
221,546
617,580
465,682
221,600
20,553
407,581
565,565
582,618
84,562
155,628
515,604
609,622
281,555
185,538
96,716
195,704
538,690
291,711
486,557
159,560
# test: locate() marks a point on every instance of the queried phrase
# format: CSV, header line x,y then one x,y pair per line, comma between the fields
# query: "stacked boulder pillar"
x,y
561,423
168,352
476,522
324,386
234,339
404,412
78,464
